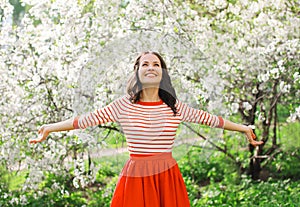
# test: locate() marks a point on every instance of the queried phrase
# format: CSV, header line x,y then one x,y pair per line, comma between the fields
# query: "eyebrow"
x,y
146,61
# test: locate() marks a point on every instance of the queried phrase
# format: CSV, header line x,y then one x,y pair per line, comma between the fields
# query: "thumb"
x,y
41,129
41,136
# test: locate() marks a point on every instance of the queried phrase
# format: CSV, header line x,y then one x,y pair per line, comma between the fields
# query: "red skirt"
x,y
150,181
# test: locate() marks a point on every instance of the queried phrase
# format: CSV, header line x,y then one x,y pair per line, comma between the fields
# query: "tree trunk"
x,y
255,162
254,165
270,115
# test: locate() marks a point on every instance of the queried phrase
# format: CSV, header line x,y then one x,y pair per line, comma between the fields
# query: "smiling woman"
x,y
149,116
150,72
141,89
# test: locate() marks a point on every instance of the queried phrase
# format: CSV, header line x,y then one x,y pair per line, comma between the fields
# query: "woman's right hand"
x,y
252,138
43,132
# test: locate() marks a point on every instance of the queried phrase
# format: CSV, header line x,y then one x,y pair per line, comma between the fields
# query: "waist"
x,y
154,156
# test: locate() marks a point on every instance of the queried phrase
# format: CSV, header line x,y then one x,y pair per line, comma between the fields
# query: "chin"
x,y
151,85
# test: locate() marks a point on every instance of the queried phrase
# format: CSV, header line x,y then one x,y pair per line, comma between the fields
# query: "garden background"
x,y
237,59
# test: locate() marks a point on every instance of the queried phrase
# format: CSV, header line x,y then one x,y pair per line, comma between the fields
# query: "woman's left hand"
x,y
251,138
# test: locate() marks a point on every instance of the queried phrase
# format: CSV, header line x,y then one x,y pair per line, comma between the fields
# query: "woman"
x,y
149,116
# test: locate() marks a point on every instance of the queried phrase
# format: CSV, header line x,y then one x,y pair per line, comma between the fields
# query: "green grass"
x,y
289,135
250,193
115,162
15,180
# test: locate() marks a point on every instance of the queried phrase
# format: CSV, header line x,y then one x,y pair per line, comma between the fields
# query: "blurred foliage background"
x,y
238,59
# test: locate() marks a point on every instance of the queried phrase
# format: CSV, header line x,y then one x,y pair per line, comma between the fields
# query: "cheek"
x,y
139,73
160,73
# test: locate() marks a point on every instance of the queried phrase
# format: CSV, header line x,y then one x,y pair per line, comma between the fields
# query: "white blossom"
x,y
264,77
247,106
220,3
275,73
234,107
296,76
284,88
23,200
75,182
295,115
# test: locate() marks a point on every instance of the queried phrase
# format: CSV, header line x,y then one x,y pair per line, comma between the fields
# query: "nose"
x,y
150,68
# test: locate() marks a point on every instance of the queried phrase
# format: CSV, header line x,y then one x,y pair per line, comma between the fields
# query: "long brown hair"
x,y
166,91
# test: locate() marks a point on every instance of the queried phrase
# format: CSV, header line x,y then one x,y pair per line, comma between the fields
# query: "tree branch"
x,y
213,144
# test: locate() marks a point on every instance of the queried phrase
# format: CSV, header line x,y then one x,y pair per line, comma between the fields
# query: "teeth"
x,y
150,74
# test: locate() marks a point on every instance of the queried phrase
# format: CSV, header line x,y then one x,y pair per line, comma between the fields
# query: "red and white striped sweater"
x,y
149,127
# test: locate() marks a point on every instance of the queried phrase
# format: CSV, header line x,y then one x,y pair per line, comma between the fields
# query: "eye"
x,y
156,64
144,64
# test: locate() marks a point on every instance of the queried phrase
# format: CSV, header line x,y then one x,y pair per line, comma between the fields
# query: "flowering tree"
x,y
261,68
64,58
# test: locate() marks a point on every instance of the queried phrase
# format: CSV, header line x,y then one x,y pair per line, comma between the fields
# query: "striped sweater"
x,y
149,127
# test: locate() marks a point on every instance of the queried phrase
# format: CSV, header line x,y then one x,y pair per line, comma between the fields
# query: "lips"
x,y
150,75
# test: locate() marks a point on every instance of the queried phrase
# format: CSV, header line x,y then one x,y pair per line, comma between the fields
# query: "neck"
x,y
150,95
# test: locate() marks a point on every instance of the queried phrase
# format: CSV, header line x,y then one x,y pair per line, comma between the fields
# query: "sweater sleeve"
x,y
189,114
109,113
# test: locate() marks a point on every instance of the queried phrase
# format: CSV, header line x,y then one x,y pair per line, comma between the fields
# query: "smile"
x,y
150,75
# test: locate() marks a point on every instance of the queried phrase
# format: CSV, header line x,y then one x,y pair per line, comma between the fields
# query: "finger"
x,y
249,136
40,129
260,142
252,127
253,135
256,143
32,141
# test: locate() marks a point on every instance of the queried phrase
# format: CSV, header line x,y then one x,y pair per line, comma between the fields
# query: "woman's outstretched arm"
x,y
228,125
45,130
109,113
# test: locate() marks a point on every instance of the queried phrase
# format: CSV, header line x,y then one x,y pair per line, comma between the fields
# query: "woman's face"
x,y
150,71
